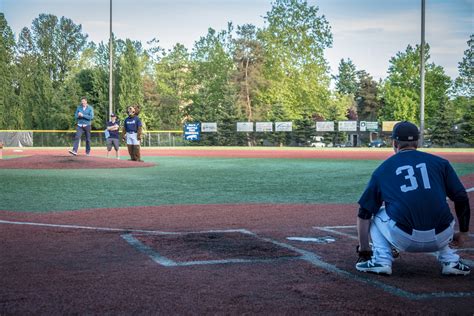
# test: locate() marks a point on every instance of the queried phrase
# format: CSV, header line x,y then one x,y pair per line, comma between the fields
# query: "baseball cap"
x,y
113,114
405,131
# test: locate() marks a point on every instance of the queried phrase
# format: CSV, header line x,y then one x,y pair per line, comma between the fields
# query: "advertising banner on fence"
x,y
283,126
387,126
347,126
208,127
192,131
244,126
366,126
326,126
264,127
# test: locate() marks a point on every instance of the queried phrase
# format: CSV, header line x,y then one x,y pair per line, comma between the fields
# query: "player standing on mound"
x,y
84,116
413,186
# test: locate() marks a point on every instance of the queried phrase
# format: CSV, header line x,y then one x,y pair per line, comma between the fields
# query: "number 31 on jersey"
x,y
410,175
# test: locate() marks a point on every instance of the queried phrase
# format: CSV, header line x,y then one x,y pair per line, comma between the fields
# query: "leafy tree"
x,y
248,76
211,70
401,89
346,80
130,80
58,42
294,43
172,77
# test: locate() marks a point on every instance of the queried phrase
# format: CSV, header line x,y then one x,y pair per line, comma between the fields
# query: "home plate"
x,y
318,240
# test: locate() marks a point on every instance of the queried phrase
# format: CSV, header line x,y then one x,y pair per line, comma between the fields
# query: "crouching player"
x,y
413,187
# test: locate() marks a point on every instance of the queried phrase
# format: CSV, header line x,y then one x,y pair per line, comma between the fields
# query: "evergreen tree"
x,y
465,82
10,116
442,133
366,96
346,80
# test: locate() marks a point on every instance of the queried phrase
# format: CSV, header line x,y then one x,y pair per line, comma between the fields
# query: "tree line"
x,y
242,73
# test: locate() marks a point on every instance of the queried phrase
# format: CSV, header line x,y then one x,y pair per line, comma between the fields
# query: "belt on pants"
x,y
409,230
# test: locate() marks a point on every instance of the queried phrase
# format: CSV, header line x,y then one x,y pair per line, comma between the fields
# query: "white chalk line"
x,y
470,189
307,256
124,230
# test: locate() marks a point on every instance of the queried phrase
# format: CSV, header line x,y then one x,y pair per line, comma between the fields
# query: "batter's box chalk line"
x,y
308,256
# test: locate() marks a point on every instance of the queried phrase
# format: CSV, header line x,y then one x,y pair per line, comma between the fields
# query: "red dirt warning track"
x,y
303,153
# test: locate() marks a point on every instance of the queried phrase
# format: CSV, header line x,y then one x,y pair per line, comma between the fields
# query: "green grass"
x,y
184,180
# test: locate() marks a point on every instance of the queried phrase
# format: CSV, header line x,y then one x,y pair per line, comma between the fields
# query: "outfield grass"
x,y
184,180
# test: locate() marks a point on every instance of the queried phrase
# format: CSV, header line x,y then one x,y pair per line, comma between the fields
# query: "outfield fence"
x,y
64,138
224,137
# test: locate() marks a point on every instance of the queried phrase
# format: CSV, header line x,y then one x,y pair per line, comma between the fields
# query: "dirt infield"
x,y
194,260
43,161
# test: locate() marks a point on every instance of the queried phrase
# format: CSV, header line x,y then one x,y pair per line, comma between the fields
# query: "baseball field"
x,y
197,231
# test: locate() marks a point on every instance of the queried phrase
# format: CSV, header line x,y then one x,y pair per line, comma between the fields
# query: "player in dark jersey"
x,y
404,206
113,127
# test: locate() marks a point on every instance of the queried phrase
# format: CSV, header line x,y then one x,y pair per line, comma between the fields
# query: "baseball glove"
x,y
363,255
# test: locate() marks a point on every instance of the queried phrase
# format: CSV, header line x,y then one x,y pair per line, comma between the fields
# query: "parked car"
x,y
377,143
342,145
317,144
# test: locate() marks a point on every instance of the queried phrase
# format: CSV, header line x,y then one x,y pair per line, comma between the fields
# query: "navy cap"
x,y
113,114
405,131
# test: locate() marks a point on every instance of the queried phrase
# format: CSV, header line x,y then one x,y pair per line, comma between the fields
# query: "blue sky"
x,y
369,32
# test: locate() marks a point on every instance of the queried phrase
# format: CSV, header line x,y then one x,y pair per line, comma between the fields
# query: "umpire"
x,y
416,217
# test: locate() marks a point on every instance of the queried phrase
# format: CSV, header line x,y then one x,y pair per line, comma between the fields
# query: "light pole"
x,y
422,76
110,64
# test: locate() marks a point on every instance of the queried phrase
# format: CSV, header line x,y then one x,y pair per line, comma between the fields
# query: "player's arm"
x,y
124,132
457,193
363,227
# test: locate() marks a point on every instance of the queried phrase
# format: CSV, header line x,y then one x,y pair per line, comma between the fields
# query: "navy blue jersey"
x,y
132,124
113,134
414,186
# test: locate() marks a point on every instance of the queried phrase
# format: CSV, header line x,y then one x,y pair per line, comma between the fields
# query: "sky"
x,y
369,32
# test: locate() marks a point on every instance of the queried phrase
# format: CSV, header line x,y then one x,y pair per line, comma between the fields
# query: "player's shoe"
x,y
455,268
72,152
372,267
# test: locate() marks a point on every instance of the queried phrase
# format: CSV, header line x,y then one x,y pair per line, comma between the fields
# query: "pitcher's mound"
x,y
69,162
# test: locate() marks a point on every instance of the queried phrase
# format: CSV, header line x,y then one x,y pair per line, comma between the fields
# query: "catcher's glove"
x,y
363,255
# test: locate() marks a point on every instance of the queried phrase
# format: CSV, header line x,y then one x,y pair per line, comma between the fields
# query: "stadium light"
x,y
110,64
422,76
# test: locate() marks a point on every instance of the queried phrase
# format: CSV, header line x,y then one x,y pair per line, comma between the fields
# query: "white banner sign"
x,y
264,127
347,126
283,126
244,126
208,127
326,126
